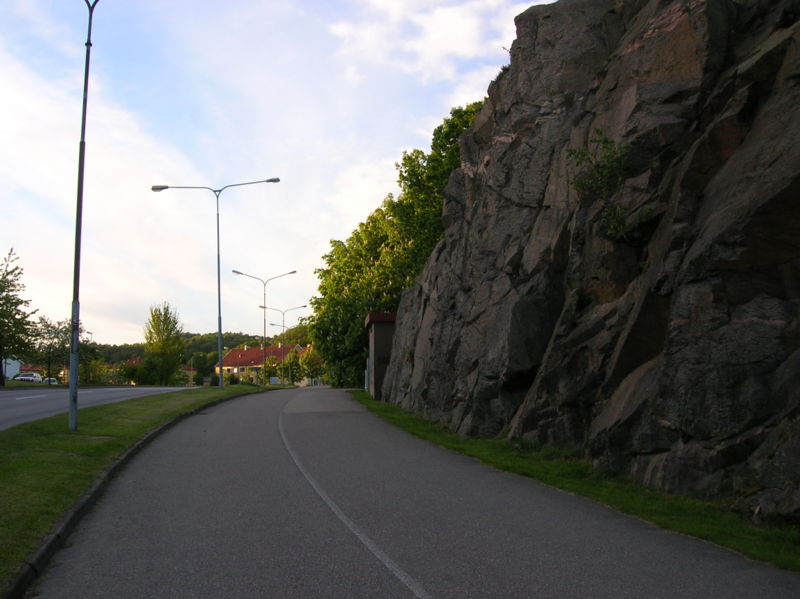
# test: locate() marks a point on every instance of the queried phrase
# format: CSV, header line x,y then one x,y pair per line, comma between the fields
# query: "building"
x,y
245,363
380,327
11,368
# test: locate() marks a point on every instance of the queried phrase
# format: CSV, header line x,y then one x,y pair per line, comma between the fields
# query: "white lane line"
x,y
393,567
29,397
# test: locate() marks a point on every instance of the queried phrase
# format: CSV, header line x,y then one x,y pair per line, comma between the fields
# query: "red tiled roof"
x,y
254,356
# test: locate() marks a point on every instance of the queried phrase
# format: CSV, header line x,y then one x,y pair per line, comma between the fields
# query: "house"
x,y
11,368
245,363
188,372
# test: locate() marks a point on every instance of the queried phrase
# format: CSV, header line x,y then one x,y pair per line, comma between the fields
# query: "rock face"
x,y
671,351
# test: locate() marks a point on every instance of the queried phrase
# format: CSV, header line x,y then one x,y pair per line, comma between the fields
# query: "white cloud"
x,y
429,39
187,93
472,86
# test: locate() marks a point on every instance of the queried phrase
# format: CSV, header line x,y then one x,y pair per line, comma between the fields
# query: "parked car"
x,y
29,377
50,381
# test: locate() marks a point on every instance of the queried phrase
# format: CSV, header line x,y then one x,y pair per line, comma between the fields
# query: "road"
x,y
304,494
23,404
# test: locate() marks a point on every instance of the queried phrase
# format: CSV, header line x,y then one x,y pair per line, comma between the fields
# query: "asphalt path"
x,y
23,404
304,494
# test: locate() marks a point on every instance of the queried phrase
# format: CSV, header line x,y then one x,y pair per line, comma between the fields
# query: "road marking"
x,y
29,397
392,566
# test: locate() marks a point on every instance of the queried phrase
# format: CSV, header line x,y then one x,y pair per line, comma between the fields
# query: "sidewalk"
x,y
302,493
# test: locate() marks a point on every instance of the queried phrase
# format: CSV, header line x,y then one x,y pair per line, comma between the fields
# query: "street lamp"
x,y
76,277
283,318
283,314
264,335
216,192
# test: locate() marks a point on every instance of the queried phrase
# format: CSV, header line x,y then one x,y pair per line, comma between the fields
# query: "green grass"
x,y
776,542
45,468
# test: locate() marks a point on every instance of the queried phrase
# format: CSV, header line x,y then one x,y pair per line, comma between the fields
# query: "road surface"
x,y
304,494
23,404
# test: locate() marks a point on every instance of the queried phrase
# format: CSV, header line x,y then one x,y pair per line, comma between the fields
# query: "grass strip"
x,y
45,468
776,542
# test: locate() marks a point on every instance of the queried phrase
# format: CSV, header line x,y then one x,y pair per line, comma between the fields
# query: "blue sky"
x,y
325,95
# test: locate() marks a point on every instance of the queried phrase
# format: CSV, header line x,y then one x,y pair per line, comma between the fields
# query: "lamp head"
x,y
159,187
236,272
273,180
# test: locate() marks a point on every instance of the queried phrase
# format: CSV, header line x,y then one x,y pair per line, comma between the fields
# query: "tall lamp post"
x,y
76,277
216,193
264,335
283,317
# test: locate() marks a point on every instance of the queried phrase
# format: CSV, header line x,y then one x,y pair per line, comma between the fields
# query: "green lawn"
x,y
44,468
777,542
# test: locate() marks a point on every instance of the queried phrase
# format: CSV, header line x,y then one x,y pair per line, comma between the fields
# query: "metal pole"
x,y
264,341
219,299
76,310
283,331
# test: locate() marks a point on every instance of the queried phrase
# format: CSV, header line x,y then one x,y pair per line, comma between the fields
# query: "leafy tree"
x,y
293,371
17,331
296,335
164,345
271,367
94,371
207,342
202,364
115,354
311,364
52,344
370,270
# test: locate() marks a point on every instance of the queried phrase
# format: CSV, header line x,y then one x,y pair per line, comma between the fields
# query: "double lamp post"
x,y
216,193
264,306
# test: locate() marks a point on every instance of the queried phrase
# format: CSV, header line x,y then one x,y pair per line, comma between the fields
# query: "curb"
x,y
36,562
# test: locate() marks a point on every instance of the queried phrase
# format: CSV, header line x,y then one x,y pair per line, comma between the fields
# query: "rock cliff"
x,y
666,343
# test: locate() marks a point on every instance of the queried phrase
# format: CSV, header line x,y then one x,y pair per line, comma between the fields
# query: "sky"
x,y
326,95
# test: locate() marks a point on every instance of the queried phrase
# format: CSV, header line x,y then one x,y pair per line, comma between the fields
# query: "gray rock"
x,y
671,351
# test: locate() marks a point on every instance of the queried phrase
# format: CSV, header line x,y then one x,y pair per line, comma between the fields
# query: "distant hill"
x,y
204,343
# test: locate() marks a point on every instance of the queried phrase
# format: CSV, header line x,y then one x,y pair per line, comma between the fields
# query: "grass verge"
x,y
776,542
45,468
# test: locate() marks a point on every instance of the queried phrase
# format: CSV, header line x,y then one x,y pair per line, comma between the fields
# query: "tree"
x,y
271,367
311,364
163,345
291,367
52,344
370,270
296,335
207,342
17,331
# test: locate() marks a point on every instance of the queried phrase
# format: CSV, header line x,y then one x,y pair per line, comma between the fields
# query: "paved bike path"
x,y
302,493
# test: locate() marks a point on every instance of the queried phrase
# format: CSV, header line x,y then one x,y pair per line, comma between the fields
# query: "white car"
x,y
29,377
50,381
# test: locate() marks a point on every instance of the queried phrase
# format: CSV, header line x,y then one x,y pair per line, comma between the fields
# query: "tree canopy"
x,y
370,270
17,330
163,345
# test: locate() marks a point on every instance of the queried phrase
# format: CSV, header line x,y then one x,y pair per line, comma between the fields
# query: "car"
x,y
50,381
29,377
